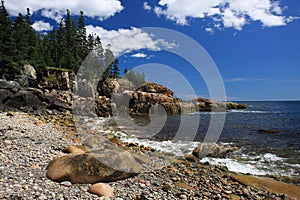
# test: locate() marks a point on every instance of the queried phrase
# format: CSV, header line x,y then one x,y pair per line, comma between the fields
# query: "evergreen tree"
x,y
109,62
82,38
60,45
70,37
135,78
19,31
7,45
116,70
49,48
33,46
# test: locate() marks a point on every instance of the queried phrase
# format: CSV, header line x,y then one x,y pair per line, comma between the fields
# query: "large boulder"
x,y
5,95
212,150
92,167
9,85
23,100
30,71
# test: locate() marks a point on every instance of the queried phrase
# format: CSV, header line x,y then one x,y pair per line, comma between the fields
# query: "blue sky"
x,y
255,44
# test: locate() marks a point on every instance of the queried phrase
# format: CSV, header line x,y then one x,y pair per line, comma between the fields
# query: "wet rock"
x,y
191,157
268,184
102,190
212,150
268,131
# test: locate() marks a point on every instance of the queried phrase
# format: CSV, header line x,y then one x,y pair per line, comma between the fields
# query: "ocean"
x,y
259,153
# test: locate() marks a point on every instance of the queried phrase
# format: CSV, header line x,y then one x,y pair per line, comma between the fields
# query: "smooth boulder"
x,y
93,167
102,190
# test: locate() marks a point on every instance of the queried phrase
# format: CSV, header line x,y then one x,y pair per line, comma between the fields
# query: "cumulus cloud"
x,y
146,6
128,40
42,26
230,13
52,14
139,55
209,30
53,9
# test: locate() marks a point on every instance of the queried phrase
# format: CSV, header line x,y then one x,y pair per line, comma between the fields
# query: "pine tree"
x,y
60,45
50,48
33,46
109,62
82,38
70,36
90,43
19,32
116,70
7,45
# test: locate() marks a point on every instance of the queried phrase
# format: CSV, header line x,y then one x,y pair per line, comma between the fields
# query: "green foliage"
x,y
9,68
58,69
63,49
135,78
7,44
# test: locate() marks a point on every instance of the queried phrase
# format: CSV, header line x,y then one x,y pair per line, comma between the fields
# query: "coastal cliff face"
x,y
111,95
152,97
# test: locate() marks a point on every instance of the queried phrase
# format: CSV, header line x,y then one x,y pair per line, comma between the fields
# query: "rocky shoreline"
x,y
28,143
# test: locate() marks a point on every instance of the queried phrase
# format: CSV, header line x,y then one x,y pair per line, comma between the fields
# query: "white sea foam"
x,y
247,111
263,164
235,166
179,148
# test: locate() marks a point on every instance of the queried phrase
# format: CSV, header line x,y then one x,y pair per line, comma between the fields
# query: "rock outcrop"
x,y
212,150
267,184
13,97
114,97
152,95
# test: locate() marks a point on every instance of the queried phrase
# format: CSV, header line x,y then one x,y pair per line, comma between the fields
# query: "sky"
x,y
251,48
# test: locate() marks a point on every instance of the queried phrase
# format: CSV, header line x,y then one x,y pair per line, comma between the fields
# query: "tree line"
x,y
65,47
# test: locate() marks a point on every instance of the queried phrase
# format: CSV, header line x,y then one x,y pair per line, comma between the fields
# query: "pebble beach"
x,y
28,144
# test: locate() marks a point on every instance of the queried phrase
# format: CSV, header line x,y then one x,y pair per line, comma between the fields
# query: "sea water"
x,y
259,153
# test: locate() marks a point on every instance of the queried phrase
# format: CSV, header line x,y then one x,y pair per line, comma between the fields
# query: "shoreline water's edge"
x,y
35,142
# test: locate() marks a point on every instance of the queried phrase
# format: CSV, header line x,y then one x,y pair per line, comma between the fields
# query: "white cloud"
x,y
243,79
146,6
231,13
238,79
209,30
42,26
100,9
127,40
139,55
52,14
